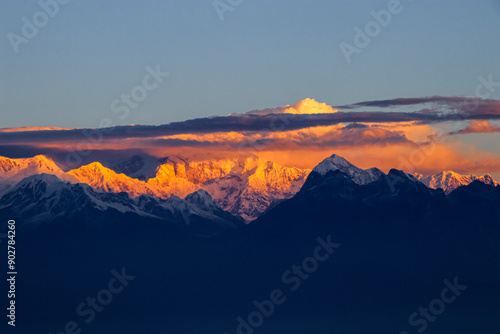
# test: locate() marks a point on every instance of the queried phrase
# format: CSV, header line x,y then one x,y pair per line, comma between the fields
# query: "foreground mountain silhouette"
x,y
399,241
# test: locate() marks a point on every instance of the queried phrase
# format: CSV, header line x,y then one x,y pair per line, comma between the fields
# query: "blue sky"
x,y
265,53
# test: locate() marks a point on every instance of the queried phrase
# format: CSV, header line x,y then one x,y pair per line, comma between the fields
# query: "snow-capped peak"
x,y
449,180
332,163
14,170
358,175
103,178
36,187
44,198
244,185
41,180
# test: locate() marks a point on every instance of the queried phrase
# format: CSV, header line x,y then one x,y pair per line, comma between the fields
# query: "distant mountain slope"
x,y
244,186
252,185
44,198
99,177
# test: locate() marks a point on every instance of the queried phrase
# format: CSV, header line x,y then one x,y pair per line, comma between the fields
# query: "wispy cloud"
x,y
452,109
307,129
441,100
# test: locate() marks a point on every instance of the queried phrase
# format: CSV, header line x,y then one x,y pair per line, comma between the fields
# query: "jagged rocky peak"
x,y
6,165
449,180
202,199
331,163
38,179
39,186
358,175
14,170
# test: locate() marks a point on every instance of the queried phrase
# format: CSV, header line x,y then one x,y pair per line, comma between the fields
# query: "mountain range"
x,y
245,187
44,198
449,180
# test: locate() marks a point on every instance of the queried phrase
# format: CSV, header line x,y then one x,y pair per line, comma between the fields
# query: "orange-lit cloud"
x,y
478,127
327,136
304,107
309,106
33,128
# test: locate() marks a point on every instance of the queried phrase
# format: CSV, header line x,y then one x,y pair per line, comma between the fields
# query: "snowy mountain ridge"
x,y
243,186
44,197
449,180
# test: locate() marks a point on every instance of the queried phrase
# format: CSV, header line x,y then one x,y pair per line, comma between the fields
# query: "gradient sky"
x,y
263,54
